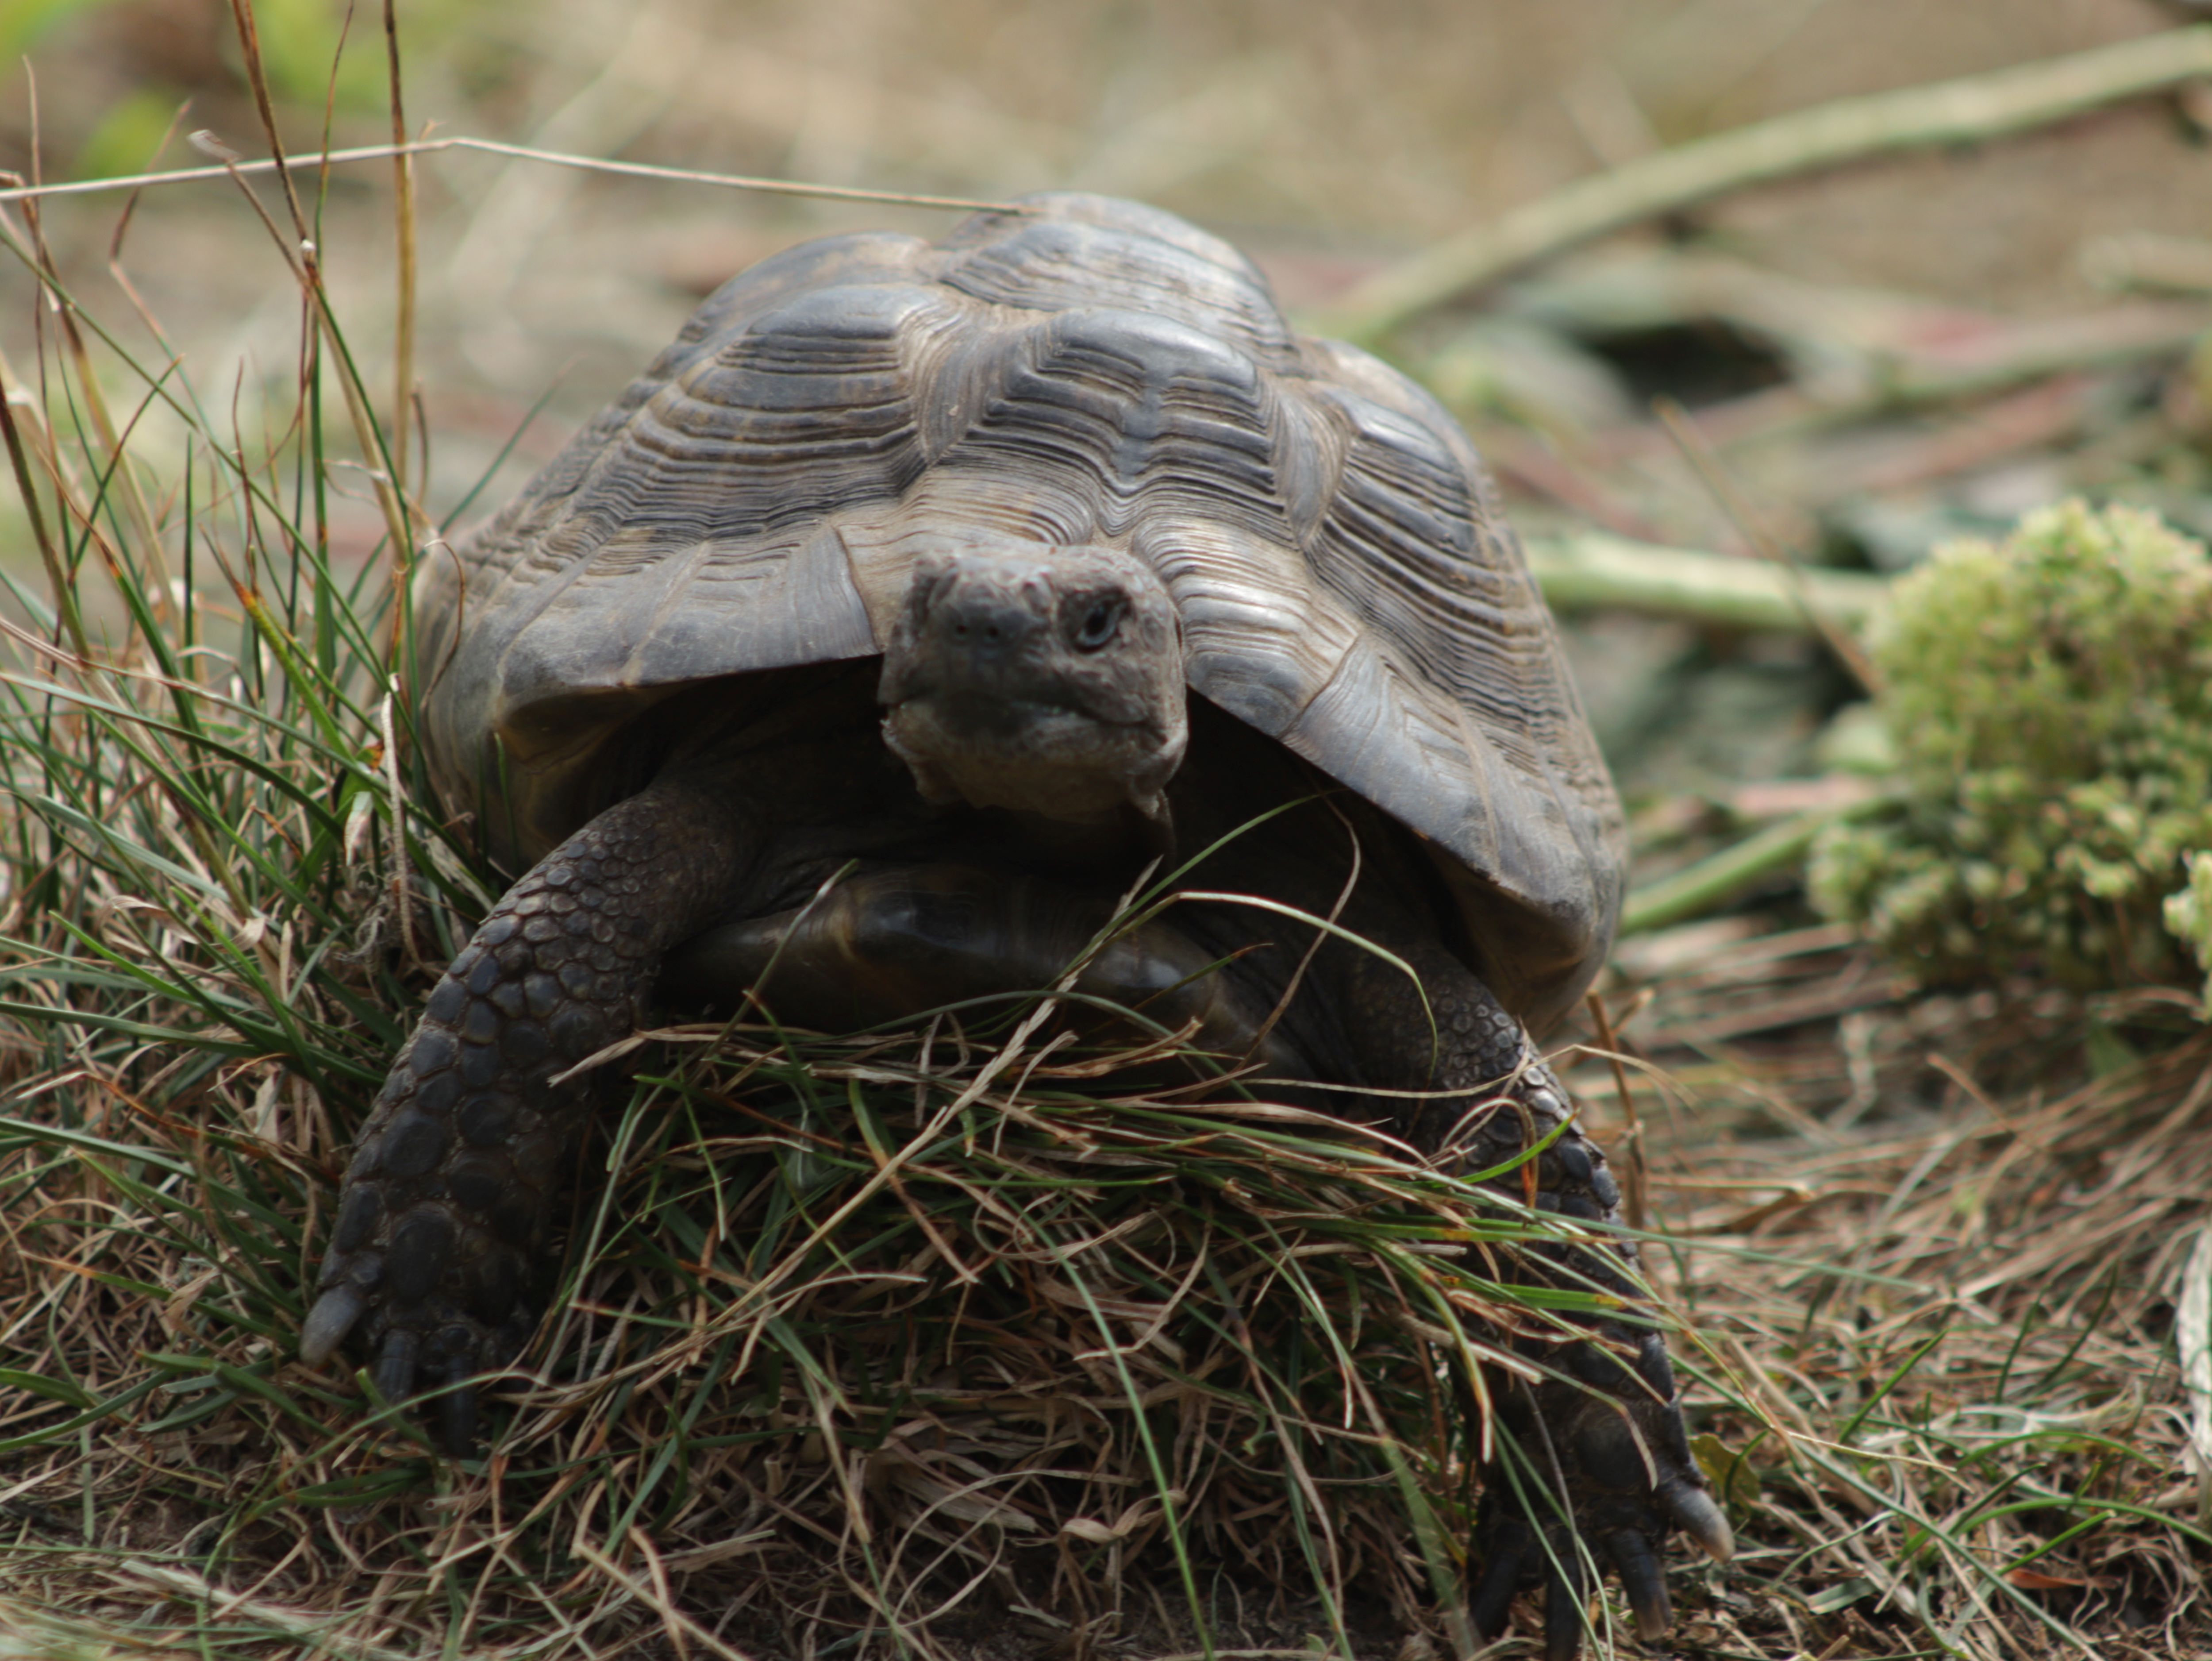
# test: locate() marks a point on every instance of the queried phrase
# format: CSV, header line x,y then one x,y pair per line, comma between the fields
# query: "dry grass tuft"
x,y
854,1346
1947,1311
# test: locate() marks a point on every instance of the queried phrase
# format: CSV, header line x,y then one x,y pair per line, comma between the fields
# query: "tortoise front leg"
x,y
1605,1448
447,1200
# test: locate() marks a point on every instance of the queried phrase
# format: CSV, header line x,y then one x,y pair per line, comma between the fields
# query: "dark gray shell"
x,y
1089,371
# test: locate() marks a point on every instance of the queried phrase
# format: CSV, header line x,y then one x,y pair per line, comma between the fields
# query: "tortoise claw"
x,y
1493,1597
1644,1583
1700,1519
457,1413
327,1324
395,1367
1564,1614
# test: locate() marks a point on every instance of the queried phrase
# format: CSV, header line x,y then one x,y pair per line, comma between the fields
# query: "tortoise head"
x,y
1045,680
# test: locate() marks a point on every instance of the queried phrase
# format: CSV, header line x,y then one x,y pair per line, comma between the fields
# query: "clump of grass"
x,y
1954,1322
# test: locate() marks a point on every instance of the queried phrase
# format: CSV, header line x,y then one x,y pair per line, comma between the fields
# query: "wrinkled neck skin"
x,y
1047,681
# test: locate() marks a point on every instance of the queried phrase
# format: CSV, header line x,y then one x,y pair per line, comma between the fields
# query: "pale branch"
x,y
1713,882
1966,111
1593,571
20,192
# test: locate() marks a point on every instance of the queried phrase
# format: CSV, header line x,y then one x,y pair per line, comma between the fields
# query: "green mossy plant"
x,y
2050,698
2189,915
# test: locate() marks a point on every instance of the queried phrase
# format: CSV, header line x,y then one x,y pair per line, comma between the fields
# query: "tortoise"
x,y
985,571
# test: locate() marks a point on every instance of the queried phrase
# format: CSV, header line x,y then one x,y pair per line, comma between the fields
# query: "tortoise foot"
x,y
430,1348
446,1209
443,1220
1593,1469
1590,1477
445,1216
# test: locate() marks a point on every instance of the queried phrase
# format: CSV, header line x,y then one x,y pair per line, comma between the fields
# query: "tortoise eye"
x,y
1099,621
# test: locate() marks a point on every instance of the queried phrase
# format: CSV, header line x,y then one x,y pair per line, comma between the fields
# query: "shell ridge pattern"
x,y
1309,457
806,412
953,359
1091,372
1045,416
760,435
683,570
1061,265
1399,543
1356,726
1141,413
1263,639
522,548
536,537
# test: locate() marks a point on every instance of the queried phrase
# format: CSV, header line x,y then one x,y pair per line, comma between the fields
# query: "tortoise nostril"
x,y
984,620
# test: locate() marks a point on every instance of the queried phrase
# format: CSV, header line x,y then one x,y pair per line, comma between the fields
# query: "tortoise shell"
x,y
1084,371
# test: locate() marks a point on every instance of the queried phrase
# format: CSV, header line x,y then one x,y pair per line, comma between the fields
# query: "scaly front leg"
x,y
447,1200
1603,1467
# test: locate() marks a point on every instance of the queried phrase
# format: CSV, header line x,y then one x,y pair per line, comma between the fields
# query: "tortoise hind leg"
x,y
1598,1460
446,1203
